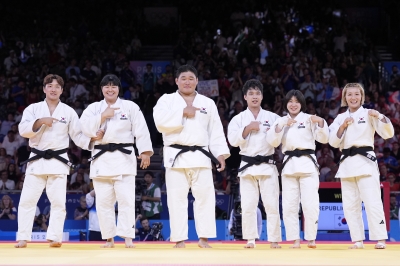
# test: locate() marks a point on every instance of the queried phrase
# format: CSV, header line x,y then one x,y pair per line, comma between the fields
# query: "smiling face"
x,y
253,98
110,93
353,98
53,90
293,106
187,82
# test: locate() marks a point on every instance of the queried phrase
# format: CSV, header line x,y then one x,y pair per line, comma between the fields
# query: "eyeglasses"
x,y
352,85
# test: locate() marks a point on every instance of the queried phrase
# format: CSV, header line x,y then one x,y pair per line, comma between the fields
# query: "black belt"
x,y
299,153
49,154
357,150
256,160
184,149
111,147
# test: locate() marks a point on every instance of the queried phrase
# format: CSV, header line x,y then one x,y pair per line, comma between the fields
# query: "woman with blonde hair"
x,y
353,133
7,210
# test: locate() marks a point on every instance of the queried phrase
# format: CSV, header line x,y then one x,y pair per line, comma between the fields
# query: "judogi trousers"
x,y
366,189
250,189
56,189
108,191
200,180
304,189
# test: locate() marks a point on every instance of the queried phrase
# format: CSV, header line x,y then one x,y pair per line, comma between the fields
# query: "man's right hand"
x,y
254,126
190,111
48,121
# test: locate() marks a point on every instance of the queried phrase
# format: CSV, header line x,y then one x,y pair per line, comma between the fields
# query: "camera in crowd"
x,y
155,232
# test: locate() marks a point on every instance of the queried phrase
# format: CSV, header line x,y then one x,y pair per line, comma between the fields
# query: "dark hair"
x,y
143,219
150,173
298,95
49,79
110,79
148,64
186,68
252,84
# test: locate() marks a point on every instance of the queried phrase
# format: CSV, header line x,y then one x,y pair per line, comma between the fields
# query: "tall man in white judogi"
x,y
49,126
257,172
193,136
113,162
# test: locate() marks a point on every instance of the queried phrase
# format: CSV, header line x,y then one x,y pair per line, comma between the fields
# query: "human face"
x,y
53,90
293,106
4,176
145,224
148,179
110,93
253,98
353,98
187,83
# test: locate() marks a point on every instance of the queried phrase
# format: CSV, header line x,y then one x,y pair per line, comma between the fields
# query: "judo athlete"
x,y
257,172
300,172
353,133
113,162
193,137
48,125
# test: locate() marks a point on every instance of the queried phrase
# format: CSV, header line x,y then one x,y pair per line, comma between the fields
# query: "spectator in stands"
x,y
144,231
149,80
13,172
81,171
77,91
7,209
394,208
7,124
81,212
390,162
5,183
18,93
10,143
3,159
394,187
151,201
94,227
40,224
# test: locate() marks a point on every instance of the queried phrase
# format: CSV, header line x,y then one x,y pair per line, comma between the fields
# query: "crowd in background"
x,y
288,46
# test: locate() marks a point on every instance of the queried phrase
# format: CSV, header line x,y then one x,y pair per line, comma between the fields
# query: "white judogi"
x,y
256,179
359,175
50,174
300,177
113,173
191,169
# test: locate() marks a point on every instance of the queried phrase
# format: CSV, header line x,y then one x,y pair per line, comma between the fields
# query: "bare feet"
x,y
180,244
274,245
380,245
109,243
203,243
21,244
128,243
296,244
249,245
54,244
311,244
357,245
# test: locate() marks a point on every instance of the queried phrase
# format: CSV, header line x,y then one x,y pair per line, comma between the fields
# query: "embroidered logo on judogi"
x,y
203,110
123,117
301,125
361,120
266,123
62,120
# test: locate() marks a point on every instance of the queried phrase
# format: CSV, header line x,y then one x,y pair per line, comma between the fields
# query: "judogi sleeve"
x,y
90,121
217,145
235,132
321,134
26,125
334,141
273,138
167,119
385,130
140,131
76,134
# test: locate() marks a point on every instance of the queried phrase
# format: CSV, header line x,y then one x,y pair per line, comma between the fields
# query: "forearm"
x,y
340,132
36,126
246,132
